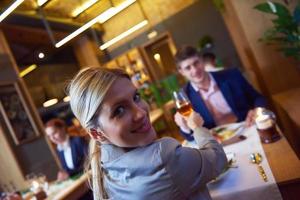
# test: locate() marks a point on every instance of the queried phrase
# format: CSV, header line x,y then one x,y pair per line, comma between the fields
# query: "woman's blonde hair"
x,y
87,91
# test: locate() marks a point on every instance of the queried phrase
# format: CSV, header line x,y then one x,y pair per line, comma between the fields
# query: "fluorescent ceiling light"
x,y
28,70
115,10
83,7
11,8
50,102
152,34
123,35
66,98
41,2
102,17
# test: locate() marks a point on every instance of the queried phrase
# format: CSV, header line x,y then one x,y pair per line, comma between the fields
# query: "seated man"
x,y
71,150
220,97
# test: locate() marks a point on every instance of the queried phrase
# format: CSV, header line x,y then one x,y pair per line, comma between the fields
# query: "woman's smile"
x,y
145,126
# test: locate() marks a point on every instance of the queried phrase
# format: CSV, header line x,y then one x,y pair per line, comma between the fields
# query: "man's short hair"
x,y
57,123
184,53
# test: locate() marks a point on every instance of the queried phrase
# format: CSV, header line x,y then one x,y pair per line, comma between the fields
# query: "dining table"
x,y
243,179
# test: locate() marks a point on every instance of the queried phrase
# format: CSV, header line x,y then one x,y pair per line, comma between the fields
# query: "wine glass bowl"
x,y
182,103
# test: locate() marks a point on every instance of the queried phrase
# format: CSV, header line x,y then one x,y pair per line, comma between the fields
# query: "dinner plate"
x,y
227,131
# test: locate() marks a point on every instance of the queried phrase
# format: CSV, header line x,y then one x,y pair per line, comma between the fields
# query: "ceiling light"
x,y
123,35
50,102
41,2
27,70
157,56
66,99
11,8
115,10
83,7
152,34
41,55
102,17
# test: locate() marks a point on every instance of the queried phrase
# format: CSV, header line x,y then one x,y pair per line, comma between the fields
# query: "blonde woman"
x,y
126,159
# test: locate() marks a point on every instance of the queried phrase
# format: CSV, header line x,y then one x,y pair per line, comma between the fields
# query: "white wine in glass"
x,y
182,103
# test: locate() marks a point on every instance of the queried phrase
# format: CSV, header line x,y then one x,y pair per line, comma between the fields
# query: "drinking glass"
x,y
182,103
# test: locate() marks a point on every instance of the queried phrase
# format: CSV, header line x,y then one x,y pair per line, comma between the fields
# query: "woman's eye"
x,y
137,97
119,111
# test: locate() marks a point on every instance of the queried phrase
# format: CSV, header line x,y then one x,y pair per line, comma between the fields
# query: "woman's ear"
x,y
97,134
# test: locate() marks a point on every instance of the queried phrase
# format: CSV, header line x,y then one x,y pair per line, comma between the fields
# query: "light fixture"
x,y
28,70
11,8
157,56
41,55
66,99
100,18
50,102
152,34
83,7
115,10
41,2
124,34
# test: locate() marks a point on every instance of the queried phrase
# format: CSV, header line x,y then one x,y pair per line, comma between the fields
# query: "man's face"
x,y
193,69
56,135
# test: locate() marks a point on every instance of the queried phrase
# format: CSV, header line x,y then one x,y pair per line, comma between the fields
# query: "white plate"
x,y
227,131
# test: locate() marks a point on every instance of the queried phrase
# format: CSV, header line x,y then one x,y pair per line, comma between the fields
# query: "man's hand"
x,y
62,175
191,122
181,122
250,119
194,120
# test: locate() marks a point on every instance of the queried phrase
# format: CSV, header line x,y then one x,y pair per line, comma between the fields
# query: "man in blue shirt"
x,y
71,150
219,97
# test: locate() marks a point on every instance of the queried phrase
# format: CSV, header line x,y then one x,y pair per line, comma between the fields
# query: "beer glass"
x,y
182,103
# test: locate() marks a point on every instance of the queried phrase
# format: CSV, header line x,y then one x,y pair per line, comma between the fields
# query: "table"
x,y
72,190
282,167
288,111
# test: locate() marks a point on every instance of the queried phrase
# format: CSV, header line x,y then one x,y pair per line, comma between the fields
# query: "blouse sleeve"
x,y
192,168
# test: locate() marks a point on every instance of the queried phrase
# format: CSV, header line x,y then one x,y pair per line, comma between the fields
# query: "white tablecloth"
x,y
245,182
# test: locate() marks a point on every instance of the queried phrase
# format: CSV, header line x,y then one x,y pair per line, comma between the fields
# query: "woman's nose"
x,y
139,113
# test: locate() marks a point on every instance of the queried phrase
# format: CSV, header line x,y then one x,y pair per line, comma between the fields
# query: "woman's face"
x,y
124,116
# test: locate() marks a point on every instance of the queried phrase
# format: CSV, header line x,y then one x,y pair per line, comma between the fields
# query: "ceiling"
x,y
26,32
63,10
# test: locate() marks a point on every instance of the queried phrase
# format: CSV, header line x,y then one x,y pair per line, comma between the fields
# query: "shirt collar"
x,y
64,145
212,84
212,88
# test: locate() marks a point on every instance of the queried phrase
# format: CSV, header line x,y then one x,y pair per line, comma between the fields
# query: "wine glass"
x,y
182,103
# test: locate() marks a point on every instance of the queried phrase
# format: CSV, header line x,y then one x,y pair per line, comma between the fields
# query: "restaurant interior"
x,y
44,43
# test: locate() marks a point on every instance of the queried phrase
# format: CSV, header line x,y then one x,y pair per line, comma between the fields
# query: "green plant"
x,y
285,30
205,42
219,4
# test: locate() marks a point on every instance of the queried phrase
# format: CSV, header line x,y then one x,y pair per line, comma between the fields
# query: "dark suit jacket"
x,y
79,153
239,94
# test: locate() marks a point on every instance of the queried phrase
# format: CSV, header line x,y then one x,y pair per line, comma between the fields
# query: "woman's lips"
x,y
144,128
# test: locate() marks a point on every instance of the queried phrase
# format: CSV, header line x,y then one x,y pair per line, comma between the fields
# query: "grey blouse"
x,y
163,170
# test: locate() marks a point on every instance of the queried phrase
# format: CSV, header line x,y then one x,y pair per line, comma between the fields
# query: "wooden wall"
x,y
273,71
34,156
